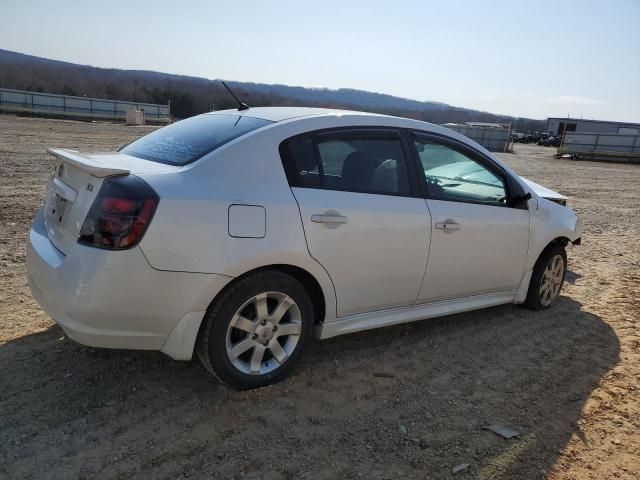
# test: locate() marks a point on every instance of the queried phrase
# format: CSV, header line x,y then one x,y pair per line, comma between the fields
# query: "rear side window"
x,y
188,140
352,161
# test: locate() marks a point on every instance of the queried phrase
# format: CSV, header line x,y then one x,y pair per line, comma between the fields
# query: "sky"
x,y
516,57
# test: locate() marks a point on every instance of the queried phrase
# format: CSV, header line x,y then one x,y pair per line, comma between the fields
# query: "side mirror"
x,y
520,199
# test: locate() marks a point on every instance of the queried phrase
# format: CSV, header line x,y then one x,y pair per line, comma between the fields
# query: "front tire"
x,y
547,278
254,334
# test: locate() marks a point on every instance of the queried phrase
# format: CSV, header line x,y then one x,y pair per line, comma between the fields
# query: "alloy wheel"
x,y
551,280
263,333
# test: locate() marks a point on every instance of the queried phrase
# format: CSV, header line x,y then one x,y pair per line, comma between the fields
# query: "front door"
x,y
362,216
478,242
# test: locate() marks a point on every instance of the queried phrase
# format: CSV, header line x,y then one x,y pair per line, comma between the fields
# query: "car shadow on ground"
x,y
572,277
407,400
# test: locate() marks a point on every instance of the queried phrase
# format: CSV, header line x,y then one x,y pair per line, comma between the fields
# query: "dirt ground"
x,y
401,402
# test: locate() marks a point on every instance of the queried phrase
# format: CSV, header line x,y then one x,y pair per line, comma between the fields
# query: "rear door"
x,y
362,214
479,237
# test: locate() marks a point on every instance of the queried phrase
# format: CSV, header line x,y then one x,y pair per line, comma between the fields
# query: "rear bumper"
x,y
113,299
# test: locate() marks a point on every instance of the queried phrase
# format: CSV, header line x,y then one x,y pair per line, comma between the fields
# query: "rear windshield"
x,y
190,139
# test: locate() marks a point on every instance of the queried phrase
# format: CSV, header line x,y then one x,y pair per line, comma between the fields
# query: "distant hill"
x,y
346,96
193,95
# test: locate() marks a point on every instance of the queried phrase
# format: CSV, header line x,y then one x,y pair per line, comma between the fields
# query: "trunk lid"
x,y
74,185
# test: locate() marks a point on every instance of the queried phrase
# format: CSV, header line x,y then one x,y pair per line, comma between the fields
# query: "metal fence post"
x,y
506,145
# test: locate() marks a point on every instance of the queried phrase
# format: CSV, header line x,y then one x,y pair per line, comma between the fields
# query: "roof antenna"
x,y
241,105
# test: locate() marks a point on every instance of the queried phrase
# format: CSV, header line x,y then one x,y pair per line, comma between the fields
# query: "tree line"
x,y
191,95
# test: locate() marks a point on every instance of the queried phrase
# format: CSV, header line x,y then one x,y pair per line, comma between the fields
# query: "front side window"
x,y
188,140
352,161
454,176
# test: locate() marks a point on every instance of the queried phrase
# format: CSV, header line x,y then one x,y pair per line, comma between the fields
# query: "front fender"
x,y
550,221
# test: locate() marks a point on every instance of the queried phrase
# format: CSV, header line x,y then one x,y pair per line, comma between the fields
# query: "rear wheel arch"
x,y
257,328
311,285
308,281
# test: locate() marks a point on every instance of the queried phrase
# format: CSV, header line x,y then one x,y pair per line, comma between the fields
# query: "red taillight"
x,y
117,205
120,214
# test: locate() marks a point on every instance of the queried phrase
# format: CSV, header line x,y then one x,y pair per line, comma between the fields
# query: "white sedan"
x,y
238,234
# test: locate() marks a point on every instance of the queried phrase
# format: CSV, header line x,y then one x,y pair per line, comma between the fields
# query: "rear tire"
x,y
254,334
547,278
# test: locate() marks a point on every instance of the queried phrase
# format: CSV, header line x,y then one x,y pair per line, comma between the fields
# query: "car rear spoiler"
x,y
97,169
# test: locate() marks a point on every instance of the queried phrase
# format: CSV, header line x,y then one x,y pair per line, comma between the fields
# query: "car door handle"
x,y
325,218
448,225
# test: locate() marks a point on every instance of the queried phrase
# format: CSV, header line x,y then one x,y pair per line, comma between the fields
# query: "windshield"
x,y
188,140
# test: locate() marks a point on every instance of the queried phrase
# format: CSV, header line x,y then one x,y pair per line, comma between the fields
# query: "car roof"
x,y
279,114
284,114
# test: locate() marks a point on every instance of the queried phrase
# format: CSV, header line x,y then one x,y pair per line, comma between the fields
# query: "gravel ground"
x,y
401,402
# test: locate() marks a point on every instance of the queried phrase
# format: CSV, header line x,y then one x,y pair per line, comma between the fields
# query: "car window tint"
x,y
333,154
453,176
299,158
349,161
187,140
